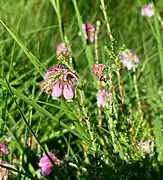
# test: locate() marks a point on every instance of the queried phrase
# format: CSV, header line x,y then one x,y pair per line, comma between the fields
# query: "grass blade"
x,y
31,57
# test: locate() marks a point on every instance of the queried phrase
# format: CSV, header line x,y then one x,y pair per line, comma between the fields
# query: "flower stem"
x,y
87,120
138,101
119,80
106,19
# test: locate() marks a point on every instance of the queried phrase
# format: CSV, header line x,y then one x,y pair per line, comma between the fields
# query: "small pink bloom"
x,y
46,165
4,149
62,50
89,32
147,10
102,98
97,70
129,59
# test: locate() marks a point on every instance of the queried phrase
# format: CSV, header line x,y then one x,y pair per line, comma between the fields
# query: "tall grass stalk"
x,y
56,5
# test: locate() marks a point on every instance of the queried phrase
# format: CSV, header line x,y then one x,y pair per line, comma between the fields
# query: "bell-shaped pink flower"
x,y
57,90
89,32
102,98
147,10
60,81
46,165
4,149
129,59
68,92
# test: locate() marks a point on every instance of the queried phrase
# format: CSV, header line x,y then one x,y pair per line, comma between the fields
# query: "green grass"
x,y
29,33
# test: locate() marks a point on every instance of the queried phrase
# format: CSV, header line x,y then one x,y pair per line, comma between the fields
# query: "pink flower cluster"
x,y
102,95
46,165
60,81
129,59
147,10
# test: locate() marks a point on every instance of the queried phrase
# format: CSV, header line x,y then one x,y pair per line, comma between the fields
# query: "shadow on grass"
x,y
145,169
139,170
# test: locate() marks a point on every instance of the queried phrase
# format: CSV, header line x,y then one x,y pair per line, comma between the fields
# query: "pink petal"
x,y
4,149
68,92
46,170
84,30
56,90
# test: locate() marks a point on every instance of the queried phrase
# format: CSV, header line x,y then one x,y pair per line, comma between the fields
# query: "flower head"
x,y
89,32
46,165
62,50
129,59
97,70
4,149
147,10
60,81
4,171
145,146
102,98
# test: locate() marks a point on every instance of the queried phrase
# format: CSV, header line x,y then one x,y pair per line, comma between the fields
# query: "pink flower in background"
x,y
147,10
46,165
97,70
4,171
102,98
89,32
129,59
4,149
62,50
60,81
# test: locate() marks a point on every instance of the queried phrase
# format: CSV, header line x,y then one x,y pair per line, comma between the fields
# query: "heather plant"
x,y
81,89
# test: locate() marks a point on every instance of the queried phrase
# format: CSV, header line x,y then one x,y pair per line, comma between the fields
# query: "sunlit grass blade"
x,y
56,6
86,47
159,41
31,57
159,137
43,111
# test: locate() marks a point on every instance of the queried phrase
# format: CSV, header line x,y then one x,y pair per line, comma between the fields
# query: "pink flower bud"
x,y
147,10
62,50
102,98
97,70
89,32
46,165
4,149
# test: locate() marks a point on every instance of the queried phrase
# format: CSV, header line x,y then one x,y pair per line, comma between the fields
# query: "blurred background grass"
x,y
35,23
